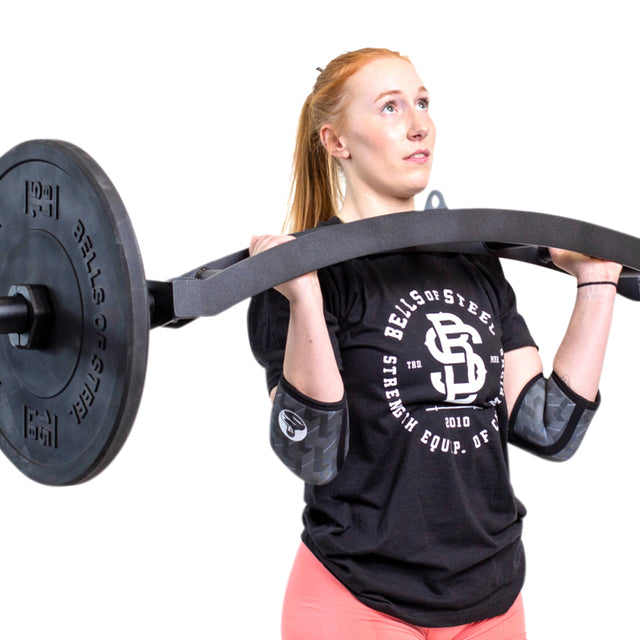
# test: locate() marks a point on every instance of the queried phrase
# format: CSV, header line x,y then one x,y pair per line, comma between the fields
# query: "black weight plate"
x,y
66,409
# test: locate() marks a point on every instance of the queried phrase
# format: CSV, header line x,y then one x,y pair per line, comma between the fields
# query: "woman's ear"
x,y
333,142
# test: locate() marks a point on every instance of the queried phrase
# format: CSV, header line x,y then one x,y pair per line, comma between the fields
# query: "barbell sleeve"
x,y
14,314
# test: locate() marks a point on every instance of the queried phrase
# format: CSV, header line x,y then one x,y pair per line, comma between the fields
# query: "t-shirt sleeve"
x,y
267,324
515,332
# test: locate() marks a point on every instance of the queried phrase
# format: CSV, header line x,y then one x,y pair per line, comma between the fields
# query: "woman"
x,y
423,360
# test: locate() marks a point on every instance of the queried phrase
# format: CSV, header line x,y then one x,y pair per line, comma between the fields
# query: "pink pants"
x,y
318,607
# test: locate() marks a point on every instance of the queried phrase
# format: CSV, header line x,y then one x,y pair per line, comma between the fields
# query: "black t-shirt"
x,y
422,522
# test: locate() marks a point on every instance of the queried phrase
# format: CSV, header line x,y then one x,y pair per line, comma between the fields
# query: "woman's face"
x,y
386,146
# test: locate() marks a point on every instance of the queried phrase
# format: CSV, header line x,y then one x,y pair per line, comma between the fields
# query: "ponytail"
x,y
315,189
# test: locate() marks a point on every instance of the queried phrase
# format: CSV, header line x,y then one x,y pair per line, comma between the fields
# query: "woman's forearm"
x,y
309,362
580,357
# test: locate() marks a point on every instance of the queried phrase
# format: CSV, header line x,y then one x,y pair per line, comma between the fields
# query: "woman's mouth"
x,y
419,157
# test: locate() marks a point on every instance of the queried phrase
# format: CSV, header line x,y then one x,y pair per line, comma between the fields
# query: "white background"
x,y
191,111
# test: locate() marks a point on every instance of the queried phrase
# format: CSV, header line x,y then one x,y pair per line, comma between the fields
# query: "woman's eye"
x,y
390,107
423,104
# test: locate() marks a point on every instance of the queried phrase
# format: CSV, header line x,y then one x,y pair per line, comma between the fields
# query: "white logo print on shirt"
x,y
449,363
448,343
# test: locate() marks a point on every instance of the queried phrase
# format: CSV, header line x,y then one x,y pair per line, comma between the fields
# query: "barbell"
x,y
76,307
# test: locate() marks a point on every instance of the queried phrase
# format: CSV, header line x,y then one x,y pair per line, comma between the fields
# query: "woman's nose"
x,y
420,127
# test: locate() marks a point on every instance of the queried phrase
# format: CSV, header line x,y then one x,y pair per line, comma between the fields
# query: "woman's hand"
x,y
292,289
585,268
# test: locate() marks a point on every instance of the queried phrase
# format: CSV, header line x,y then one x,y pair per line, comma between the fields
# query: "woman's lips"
x,y
419,157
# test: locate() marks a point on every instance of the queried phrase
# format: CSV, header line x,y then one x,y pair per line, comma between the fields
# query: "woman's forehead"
x,y
382,76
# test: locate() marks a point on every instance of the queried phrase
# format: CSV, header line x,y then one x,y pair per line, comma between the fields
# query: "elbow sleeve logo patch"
x,y
292,425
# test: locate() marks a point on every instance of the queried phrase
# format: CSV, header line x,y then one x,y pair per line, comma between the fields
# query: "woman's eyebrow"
x,y
393,92
384,94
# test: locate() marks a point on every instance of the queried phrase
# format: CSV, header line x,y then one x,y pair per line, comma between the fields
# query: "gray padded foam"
x,y
550,420
309,437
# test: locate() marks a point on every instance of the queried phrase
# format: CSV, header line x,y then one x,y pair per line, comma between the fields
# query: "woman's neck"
x,y
369,206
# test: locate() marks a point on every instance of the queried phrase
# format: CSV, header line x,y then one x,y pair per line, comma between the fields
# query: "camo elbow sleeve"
x,y
310,437
549,419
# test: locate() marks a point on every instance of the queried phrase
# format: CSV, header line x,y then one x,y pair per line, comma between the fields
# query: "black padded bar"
x,y
230,282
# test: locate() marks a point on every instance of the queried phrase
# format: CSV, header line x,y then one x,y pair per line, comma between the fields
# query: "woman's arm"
x,y
579,359
309,362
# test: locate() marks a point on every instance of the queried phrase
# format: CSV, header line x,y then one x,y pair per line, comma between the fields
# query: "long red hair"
x,y
316,193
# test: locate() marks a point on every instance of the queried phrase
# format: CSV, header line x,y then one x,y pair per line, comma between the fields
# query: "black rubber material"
x,y
515,234
67,409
